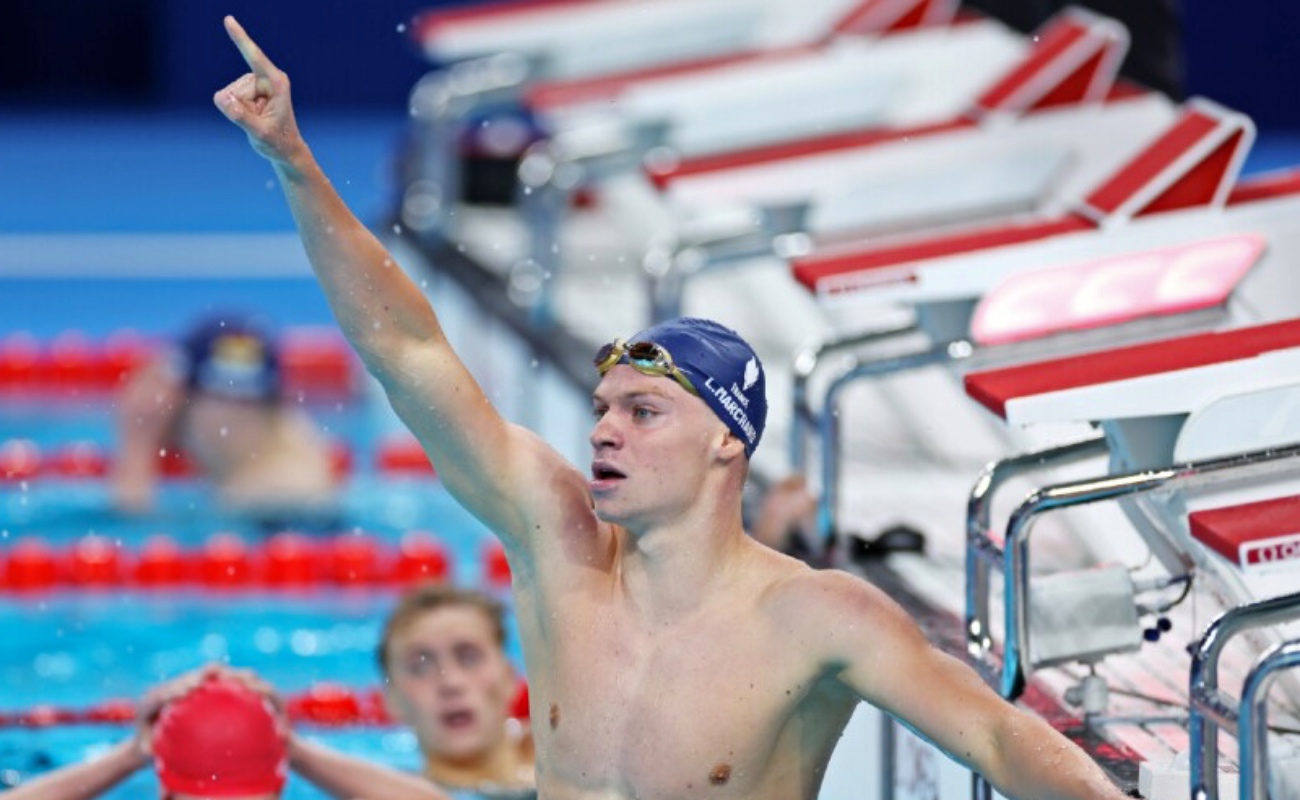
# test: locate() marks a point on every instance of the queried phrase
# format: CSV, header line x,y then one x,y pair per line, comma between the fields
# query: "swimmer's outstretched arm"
x,y
94,777
877,650
86,780
344,776
501,473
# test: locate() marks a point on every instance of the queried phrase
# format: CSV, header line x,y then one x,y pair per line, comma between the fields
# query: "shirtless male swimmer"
x,y
668,655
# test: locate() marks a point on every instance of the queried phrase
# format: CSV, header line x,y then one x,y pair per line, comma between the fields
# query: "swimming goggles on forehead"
x,y
647,358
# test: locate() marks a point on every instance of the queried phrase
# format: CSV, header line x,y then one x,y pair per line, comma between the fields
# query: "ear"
x,y
731,447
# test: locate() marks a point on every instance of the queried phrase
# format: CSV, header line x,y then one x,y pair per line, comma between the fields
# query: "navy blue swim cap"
x,y
722,367
232,356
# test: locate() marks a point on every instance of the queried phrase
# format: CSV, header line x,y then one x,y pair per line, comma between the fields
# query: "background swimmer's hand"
x,y
151,705
788,510
259,103
255,683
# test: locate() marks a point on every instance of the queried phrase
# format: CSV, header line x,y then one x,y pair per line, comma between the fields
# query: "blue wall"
x,y
1244,55
347,53
350,53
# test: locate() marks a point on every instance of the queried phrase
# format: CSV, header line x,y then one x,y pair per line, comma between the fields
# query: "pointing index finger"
x,y
253,55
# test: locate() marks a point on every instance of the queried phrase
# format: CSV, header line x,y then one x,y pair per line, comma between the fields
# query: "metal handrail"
x,y
1015,549
828,423
669,269
980,546
804,364
1013,557
1209,709
441,103
1253,717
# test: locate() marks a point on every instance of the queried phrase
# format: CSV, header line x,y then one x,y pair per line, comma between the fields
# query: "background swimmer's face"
x,y
451,682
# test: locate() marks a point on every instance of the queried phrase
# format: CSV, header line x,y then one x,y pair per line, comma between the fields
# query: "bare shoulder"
x,y
833,592
833,607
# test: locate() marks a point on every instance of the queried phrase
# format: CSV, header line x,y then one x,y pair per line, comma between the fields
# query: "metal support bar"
x,y
1016,546
828,426
1252,728
888,756
806,361
1015,549
982,553
441,104
669,272
1209,709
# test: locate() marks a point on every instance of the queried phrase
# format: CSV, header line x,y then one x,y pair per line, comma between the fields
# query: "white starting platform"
x,y
1208,508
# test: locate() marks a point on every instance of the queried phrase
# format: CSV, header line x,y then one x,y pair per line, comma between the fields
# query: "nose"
x,y
605,433
449,679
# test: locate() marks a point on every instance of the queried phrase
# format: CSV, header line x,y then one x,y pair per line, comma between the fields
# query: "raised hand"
x,y
259,103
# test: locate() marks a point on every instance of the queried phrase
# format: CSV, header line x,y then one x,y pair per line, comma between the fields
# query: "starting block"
x,y
1201,501
493,52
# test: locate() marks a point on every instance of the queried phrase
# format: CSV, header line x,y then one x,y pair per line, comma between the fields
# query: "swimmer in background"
x,y
217,395
668,654
211,733
448,678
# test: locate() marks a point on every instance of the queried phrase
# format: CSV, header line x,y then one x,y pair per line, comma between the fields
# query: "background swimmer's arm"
x,y
878,651
148,407
503,475
344,776
86,780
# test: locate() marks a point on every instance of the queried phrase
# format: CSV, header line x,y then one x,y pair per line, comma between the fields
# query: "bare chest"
x,y
668,712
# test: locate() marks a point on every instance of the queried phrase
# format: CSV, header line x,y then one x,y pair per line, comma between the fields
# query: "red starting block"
x,y
1252,536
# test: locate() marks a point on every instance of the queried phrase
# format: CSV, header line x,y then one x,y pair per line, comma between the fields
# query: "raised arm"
x,y
148,407
878,651
500,472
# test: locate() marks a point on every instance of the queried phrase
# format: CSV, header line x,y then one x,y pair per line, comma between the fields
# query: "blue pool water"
x,y
30,752
79,649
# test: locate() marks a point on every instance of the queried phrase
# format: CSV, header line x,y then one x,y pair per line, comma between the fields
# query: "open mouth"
x,y
604,474
458,720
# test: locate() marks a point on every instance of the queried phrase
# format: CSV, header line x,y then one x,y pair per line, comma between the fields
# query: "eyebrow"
x,y
633,396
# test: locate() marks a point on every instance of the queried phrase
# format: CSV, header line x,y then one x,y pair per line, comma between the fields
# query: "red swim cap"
x,y
220,740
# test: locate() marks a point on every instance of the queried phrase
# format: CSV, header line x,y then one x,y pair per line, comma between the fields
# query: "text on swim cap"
x,y
734,408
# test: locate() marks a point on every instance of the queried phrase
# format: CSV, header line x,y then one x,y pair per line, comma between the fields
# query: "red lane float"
x,y
22,460
496,566
402,455
325,704
287,560
315,362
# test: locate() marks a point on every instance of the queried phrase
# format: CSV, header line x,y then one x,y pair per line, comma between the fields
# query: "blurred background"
x,y
135,78
152,55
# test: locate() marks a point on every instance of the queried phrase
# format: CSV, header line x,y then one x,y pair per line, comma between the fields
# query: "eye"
x,y
598,411
642,412
419,665
469,656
